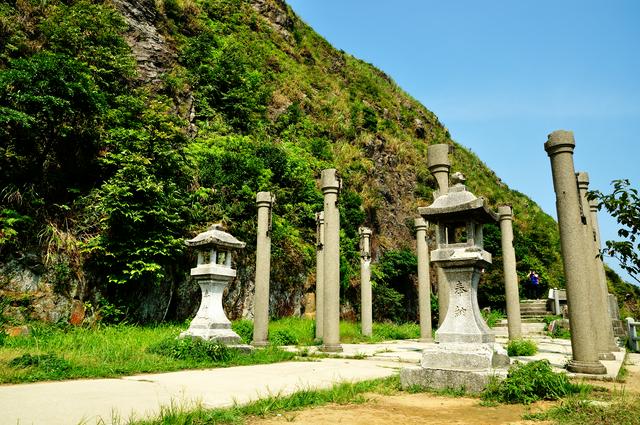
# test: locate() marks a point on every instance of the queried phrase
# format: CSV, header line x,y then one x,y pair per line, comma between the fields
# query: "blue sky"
x,y
501,75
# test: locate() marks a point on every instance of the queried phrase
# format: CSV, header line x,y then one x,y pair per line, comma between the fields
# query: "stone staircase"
x,y
532,313
534,309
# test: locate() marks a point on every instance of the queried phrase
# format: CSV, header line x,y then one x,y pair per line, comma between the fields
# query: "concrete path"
x,y
101,401
94,401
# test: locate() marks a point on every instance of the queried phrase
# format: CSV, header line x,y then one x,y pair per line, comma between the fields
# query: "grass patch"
x,y
110,351
530,382
521,347
345,393
620,409
492,317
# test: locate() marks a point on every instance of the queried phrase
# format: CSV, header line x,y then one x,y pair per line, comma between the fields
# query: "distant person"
x,y
534,285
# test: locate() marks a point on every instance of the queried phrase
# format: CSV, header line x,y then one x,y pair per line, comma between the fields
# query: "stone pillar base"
x,y
592,368
462,356
223,336
426,339
471,381
259,343
606,356
332,348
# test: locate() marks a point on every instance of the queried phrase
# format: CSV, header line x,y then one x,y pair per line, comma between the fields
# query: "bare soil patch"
x,y
410,409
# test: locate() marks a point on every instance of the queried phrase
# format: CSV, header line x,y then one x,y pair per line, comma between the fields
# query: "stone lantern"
x,y
213,272
465,354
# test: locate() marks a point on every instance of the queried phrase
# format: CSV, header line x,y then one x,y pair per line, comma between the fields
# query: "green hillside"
x,y
130,125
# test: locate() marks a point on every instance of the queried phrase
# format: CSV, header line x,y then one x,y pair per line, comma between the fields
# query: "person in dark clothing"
x,y
533,291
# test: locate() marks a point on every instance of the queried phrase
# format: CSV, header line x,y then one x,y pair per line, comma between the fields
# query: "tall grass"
x,y
106,351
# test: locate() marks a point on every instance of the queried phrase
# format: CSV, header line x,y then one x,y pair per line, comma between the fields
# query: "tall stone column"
x,y
366,319
599,302
331,321
559,146
264,200
593,207
319,274
439,165
424,284
514,324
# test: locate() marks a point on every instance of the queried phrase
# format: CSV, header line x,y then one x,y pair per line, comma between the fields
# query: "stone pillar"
x,y
599,302
510,277
424,284
264,200
366,319
319,274
559,146
331,319
439,165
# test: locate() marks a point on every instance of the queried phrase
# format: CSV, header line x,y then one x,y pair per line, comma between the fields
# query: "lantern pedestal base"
x,y
457,365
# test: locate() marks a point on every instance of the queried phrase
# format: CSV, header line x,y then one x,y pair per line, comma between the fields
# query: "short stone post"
x,y
424,284
264,200
632,331
510,276
559,146
439,165
366,319
319,274
331,319
599,302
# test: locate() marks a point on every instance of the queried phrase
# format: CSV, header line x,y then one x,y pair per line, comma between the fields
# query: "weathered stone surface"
x,y
440,379
463,356
150,49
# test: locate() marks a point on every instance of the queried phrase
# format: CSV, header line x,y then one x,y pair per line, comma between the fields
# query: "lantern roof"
x,y
215,236
458,204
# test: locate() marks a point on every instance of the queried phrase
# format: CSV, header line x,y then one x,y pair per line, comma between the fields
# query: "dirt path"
x,y
436,410
410,409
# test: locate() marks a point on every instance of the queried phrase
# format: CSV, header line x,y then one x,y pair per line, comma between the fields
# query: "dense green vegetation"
x,y
530,382
104,169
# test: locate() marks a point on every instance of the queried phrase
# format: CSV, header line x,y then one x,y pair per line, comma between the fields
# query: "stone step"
x,y
528,329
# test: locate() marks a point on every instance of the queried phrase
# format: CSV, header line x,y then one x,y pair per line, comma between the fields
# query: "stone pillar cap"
x,y
265,197
420,223
583,179
364,231
320,216
593,205
330,179
505,212
560,139
438,156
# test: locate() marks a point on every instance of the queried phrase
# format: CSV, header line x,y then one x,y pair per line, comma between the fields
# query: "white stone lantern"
x,y
213,272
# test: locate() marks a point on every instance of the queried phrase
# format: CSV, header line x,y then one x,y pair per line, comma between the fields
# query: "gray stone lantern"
x,y
460,216
213,272
465,354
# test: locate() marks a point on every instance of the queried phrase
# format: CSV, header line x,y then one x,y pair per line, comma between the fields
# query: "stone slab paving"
x,y
100,400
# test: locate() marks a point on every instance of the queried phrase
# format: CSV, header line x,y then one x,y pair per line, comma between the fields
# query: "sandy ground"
x,y
430,409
